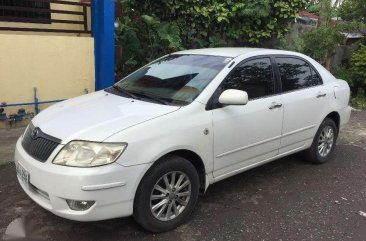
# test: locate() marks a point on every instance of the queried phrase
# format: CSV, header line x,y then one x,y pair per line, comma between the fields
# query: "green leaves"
x,y
171,34
358,61
151,28
355,75
215,42
149,20
351,10
321,42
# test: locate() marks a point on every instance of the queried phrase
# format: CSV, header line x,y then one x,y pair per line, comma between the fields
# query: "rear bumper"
x,y
112,187
345,115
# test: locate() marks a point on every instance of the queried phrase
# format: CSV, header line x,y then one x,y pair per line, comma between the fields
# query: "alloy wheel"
x,y
325,141
170,196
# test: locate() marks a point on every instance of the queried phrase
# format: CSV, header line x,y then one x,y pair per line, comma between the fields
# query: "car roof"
x,y
232,52
236,52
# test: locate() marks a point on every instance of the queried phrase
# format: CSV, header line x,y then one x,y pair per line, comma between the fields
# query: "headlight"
x,y
89,154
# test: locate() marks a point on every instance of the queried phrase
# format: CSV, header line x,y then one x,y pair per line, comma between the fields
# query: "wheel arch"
x,y
335,116
190,156
196,161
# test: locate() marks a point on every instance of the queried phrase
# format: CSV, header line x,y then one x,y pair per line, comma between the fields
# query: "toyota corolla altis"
x,y
150,144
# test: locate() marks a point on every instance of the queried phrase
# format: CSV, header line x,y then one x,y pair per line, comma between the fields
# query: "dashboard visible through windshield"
x,y
175,79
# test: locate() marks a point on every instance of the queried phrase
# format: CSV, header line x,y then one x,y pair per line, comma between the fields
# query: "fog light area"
x,y
80,205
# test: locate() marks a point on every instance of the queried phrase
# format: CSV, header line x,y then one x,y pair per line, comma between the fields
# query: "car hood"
x,y
96,116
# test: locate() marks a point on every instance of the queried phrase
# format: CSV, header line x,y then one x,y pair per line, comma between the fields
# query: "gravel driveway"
x,y
285,200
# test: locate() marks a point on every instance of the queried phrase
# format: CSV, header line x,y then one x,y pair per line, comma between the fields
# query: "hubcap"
x,y
170,196
326,141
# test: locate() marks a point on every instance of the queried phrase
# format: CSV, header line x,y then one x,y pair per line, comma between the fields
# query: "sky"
x,y
333,1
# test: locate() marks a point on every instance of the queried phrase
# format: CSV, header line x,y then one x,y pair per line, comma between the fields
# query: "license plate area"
x,y
22,173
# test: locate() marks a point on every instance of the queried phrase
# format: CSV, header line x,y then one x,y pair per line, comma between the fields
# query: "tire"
x,y
315,153
168,167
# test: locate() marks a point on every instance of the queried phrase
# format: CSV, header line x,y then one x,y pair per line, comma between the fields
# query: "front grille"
x,y
38,144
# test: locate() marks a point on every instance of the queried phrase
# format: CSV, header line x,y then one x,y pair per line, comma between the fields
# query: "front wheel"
x,y
324,143
167,194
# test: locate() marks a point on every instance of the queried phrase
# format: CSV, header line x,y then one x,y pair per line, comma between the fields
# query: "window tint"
x,y
296,74
254,76
317,80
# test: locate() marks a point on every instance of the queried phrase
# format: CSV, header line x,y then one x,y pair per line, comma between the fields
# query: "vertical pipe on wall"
x,y
36,104
103,17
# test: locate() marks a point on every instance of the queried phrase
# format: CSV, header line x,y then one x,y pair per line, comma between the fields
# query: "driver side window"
x,y
254,76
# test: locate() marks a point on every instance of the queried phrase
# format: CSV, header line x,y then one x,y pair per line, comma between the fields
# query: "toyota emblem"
x,y
35,133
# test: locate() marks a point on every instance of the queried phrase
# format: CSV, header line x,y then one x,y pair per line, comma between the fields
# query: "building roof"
x,y
305,14
353,35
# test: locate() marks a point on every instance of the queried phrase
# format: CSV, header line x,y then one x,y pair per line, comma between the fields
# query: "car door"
x,y
304,99
248,134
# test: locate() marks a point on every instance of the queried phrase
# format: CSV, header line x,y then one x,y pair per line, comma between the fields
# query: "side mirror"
x,y
233,97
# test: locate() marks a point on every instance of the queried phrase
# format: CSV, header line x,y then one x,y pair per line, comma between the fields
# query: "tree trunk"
x,y
328,61
325,12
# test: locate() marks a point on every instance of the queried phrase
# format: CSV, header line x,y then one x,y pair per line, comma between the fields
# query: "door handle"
x,y
321,95
275,106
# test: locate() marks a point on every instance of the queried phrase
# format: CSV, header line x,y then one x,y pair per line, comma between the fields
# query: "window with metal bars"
x,y
28,11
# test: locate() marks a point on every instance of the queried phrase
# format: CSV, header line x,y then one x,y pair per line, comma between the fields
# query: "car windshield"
x,y
175,79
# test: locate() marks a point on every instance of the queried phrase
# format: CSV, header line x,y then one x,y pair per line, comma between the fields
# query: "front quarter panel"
x,y
185,129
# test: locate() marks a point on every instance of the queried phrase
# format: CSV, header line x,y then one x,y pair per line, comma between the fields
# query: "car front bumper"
x,y
112,187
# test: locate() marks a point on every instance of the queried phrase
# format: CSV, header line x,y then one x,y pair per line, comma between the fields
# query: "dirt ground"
x,y
8,138
288,199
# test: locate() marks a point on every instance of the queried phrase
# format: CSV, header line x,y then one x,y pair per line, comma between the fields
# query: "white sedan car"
x,y
150,144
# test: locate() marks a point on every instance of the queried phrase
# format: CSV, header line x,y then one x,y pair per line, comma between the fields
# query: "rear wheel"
x,y
324,143
167,194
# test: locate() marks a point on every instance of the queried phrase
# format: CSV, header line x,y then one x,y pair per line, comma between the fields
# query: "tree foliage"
x,y
321,43
353,10
151,28
359,65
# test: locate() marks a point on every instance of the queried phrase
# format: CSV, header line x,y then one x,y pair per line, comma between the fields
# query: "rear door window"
x,y
317,80
296,74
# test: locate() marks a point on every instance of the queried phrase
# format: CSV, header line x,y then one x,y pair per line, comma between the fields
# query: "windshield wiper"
x,y
125,92
154,98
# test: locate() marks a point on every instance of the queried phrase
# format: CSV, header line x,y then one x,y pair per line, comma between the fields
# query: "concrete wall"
x,y
59,66
296,29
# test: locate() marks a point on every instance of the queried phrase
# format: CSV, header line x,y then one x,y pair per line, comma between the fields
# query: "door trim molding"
x,y
248,146
298,130
245,168
264,141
